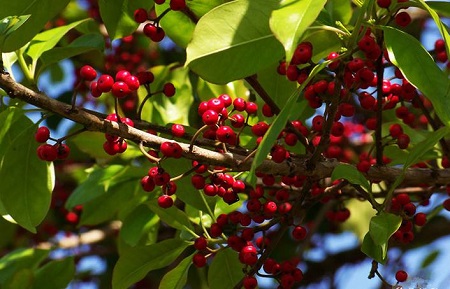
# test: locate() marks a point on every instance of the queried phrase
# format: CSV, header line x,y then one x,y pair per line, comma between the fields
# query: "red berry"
x,y
88,73
169,89
132,82
47,152
210,117
237,120
105,83
226,134
402,19
248,255
446,204
267,110
93,87
145,77
120,89
317,123
198,181
200,243
156,34
260,128
249,282
384,3
278,154
299,233
140,15
401,276
42,134
178,130
270,208
177,5
403,141
63,151
251,108
147,184
199,260
171,149
302,53
420,219
239,104
165,201
395,130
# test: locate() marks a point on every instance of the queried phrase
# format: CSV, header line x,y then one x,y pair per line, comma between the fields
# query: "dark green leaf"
x,y
430,258
20,259
40,11
340,10
351,174
27,201
291,20
234,41
373,250
176,24
441,7
278,125
423,72
225,270
136,262
323,42
137,224
22,279
177,277
172,216
56,274
277,86
118,16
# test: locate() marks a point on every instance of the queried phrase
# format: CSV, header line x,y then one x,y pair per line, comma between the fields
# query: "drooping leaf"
x,y
278,125
423,72
56,274
118,16
351,174
373,250
137,261
234,41
27,201
291,20
40,11
137,224
225,270
177,277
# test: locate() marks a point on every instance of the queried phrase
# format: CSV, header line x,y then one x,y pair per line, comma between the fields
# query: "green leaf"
x,y
22,278
351,174
177,277
373,250
225,270
278,125
277,86
8,25
440,6
56,274
172,216
423,72
324,42
24,258
83,44
291,20
234,41
430,258
118,16
96,184
46,40
27,201
40,11
340,10
136,262
137,224
425,146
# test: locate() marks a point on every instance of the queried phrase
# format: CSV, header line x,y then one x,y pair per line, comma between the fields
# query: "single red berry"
x,y
278,154
42,134
420,219
156,34
199,260
165,201
403,141
287,281
120,89
299,233
363,166
147,184
403,19
63,151
302,53
239,104
249,282
105,83
178,130
140,15
267,110
260,128
121,75
226,134
446,204
198,181
145,77
401,276
210,117
237,120
200,243
248,255
317,123
88,73
177,5
93,87
171,149
169,89
395,130
251,108
215,230
384,3
132,82
270,208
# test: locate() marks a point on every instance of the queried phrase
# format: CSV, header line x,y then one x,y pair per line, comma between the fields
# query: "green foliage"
x,y
26,201
351,174
177,277
62,272
225,271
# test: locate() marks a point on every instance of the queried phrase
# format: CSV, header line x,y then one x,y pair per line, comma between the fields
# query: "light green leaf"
x,y
278,125
225,270
27,201
118,16
234,41
291,20
40,11
46,40
340,10
351,174
177,277
56,274
136,262
423,72
137,224
8,25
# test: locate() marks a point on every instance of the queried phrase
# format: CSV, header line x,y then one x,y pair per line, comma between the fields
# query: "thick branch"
x,y
94,122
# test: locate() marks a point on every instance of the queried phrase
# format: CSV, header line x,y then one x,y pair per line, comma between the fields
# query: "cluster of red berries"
x,y
301,58
152,29
157,176
114,144
47,152
441,52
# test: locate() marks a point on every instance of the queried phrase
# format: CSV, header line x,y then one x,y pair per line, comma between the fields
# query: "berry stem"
x,y
60,140
145,153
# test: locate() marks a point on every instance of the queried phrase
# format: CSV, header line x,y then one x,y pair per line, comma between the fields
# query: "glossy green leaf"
x,y
291,20
425,146
441,7
56,274
176,24
27,201
40,11
373,250
96,184
351,174
278,125
172,216
137,224
20,259
340,10
225,270
423,72
83,44
234,41
443,29
382,226
8,25
46,40
177,277
136,262
118,16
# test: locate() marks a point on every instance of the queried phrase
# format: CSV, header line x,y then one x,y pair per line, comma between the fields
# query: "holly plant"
x,y
216,144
